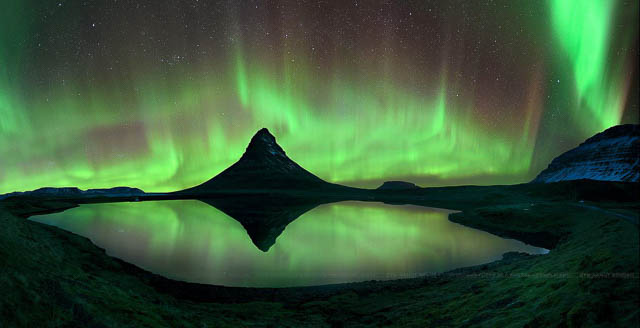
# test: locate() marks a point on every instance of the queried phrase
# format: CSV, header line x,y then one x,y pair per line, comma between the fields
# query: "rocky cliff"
x,y
612,155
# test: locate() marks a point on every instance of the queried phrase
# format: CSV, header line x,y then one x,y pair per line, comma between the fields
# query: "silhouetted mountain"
x,y
612,155
263,166
264,217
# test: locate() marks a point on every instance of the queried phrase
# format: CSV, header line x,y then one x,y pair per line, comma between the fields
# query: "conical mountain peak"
x,y
264,132
263,143
263,136
263,166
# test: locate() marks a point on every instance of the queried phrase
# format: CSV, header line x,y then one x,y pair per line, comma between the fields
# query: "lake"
x,y
332,243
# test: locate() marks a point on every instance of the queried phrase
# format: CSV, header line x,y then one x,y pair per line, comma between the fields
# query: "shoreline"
x,y
588,247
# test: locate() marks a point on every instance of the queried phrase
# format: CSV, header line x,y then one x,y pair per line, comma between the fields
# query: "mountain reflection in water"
x,y
316,244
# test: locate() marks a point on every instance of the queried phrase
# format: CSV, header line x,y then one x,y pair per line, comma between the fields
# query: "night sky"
x,y
164,95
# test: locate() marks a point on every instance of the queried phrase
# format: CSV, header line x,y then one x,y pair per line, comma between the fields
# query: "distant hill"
x,y
263,166
612,155
397,185
73,192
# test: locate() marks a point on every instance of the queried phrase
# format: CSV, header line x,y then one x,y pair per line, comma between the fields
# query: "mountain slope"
x,y
612,155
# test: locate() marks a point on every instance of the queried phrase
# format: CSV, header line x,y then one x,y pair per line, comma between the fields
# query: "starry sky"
x,y
163,95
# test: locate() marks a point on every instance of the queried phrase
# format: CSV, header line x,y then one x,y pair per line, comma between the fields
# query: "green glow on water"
x,y
340,242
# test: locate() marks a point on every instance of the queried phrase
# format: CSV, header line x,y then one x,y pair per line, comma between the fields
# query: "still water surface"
x,y
333,243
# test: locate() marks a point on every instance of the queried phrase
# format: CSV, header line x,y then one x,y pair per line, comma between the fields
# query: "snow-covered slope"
x,y
612,155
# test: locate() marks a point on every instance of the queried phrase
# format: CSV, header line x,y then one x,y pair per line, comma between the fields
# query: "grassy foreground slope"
x,y
50,277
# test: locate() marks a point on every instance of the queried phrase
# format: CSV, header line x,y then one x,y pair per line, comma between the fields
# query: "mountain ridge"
x,y
74,192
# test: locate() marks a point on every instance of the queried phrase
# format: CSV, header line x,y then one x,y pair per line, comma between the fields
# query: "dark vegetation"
x,y
50,277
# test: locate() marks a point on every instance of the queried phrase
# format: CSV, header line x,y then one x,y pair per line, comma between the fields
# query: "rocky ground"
x,y
51,278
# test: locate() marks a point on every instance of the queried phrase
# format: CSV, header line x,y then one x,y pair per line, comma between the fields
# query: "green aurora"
x,y
584,30
91,101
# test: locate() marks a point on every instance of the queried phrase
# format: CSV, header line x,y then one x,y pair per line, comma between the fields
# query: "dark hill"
x,y
397,185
